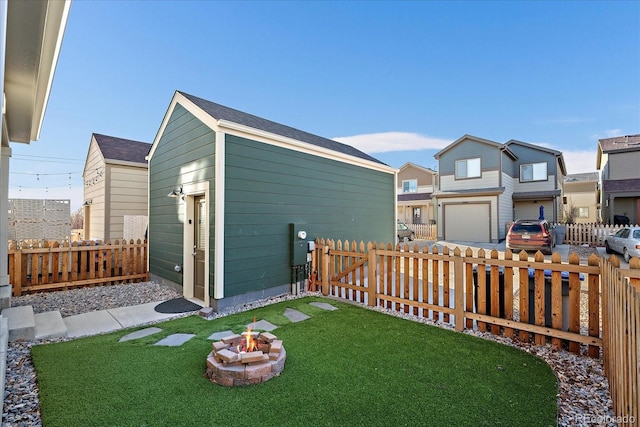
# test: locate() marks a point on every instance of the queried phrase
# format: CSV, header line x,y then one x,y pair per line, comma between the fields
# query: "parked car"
x,y
620,220
531,235
626,242
405,231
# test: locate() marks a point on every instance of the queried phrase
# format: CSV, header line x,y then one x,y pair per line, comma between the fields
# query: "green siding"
x,y
184,154
268,187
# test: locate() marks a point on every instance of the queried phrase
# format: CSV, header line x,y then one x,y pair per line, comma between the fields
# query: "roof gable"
x,y
220,112
120,149
410,165
557,154
465,137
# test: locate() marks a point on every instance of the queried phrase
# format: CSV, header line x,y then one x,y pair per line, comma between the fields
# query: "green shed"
x,y
229,193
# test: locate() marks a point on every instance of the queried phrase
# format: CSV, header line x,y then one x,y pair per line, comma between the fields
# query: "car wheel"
x,y
413,236
626,256
607,248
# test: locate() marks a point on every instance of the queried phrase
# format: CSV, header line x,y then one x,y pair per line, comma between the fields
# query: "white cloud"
x,y
579,161
393,141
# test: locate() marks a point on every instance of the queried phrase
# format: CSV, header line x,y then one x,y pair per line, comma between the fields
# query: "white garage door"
x,y
469,222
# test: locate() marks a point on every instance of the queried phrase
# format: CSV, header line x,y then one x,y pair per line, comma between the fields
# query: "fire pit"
x,y
250,358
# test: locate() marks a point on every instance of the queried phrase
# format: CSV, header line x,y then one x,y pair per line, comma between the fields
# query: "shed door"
x,y
468,222
199,246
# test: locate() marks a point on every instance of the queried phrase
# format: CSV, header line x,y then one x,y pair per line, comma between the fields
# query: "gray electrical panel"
x,y
298,243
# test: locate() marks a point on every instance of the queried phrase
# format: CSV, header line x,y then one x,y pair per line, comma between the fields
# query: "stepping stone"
x,y
217,336
140,334
262,325
50,325
323,305
175,340
295,315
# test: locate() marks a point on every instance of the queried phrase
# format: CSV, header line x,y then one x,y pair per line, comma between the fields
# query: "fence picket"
x,y
508,293
49,265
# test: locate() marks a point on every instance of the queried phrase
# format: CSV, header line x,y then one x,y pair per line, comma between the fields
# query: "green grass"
x,y
347,367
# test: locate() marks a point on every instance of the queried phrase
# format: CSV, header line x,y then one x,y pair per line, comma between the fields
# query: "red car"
x,y
531,235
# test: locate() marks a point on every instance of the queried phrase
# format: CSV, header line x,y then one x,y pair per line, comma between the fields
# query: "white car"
x,y
626,242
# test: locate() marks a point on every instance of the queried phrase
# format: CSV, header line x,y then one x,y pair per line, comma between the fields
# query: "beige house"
x,y
415,185
618,159
581,198
115,189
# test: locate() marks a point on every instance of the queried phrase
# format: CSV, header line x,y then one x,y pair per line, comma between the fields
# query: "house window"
x,y
410,186
469,168
533,172
582,212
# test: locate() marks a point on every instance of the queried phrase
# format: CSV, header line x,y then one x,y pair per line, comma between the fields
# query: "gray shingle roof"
x,y
220,112
620,143
113,148
582,177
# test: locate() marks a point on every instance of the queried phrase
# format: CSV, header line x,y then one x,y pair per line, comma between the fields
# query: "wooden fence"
x,y
592,234
621,336
540,301
424,231
516,297
53,266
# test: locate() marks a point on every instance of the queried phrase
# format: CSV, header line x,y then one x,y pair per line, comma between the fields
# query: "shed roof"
x,y
121,149
220,112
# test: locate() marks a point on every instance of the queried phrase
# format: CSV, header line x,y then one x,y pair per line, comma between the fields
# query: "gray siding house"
x,y
227,188
484,185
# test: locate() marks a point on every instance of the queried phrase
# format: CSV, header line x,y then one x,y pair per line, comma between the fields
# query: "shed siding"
x,y
269,187
184,154
94,186
128,196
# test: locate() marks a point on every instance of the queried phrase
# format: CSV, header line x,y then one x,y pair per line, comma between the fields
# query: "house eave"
x,y
34,34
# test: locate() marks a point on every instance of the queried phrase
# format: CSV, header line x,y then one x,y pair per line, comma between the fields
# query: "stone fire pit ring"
x,y
228,366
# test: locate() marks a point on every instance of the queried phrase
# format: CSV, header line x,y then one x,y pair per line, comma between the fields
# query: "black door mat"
x,y
177,305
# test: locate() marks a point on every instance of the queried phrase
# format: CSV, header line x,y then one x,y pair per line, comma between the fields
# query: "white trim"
x,y
219,211
191,190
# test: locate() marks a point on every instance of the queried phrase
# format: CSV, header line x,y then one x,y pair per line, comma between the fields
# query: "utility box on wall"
x,y
298,244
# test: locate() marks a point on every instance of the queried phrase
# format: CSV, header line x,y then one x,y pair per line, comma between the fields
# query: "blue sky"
x,y
398,80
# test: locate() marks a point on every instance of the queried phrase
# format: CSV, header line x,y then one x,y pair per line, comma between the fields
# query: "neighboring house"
x,y
581,197
231,193
618,160
31,35
415,185
115,187
484,185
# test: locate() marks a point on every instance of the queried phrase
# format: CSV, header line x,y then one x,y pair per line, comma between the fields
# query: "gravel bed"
x,y
583,397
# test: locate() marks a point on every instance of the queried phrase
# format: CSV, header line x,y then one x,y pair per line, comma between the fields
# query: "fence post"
x,y
459,285
325,270
17,277
594,305
371,272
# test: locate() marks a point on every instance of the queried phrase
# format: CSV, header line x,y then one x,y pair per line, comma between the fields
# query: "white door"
x,y
470,222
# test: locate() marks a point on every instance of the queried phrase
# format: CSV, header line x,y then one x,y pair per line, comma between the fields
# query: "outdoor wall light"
x,y
176,192
87,202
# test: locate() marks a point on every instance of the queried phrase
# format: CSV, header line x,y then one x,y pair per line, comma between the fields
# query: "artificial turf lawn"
x,y
347,367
